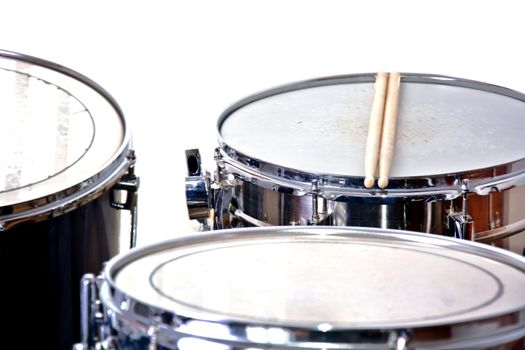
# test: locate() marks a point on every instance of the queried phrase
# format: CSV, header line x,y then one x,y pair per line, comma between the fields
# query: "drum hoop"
x,y
124,306
334,187
65,200
446,185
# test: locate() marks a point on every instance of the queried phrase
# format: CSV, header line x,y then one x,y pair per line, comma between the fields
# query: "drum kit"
x,y
299,253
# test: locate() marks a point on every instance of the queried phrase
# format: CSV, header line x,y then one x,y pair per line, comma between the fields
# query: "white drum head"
x,y
57,131
441,128
340,278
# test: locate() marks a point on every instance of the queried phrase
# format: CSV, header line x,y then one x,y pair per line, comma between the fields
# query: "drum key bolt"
x,y
315,210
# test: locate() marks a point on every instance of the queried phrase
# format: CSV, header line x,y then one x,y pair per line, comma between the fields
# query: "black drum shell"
x,y
41,265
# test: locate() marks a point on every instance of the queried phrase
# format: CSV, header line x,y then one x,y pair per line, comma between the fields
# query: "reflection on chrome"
x,y
324,327
211,330
189,343
384,221
271,335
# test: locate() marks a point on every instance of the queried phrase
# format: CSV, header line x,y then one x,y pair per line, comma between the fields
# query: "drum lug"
x,y
128,183
461,225
223,196
198,198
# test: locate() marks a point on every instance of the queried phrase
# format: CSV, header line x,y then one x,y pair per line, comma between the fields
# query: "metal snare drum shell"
x,y
293,155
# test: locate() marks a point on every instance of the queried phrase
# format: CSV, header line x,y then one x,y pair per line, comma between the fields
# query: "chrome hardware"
x,y
152,333
252,221
461,225
315,212
109,343
398,340
222,197
501,183
217,157
500,232
88,298
332,188
94,329
128,183
198,198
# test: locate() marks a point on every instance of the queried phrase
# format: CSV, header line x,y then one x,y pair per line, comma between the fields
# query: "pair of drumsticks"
x,y
382,129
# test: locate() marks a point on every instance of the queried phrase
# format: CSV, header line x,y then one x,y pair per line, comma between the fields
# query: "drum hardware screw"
x,y
217,157
315,212
153,332
466,220
230,180
217,154
58,211
398,341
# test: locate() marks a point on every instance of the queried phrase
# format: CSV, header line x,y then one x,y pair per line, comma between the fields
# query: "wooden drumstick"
x,y
374,129
389,129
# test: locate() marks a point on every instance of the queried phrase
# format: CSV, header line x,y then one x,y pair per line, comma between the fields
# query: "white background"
x,y
174,66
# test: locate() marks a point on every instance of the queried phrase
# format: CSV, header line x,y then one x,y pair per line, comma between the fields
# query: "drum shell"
x,y
136,324
309,175
493,212
136,339
41,264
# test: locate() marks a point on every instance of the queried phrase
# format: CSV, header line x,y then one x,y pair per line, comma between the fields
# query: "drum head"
x,y
445,126
342,278
58,130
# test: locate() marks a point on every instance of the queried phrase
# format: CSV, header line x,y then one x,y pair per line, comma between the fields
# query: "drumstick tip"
x,y
369,182
382,182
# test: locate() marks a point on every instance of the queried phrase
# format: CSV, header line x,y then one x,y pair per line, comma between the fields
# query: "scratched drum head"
x,y
445,126
323,279
60,133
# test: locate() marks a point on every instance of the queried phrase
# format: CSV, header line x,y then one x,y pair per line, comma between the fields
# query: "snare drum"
x,y
294,155
308,288
66,165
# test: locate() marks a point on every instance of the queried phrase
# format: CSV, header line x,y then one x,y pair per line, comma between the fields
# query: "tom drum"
x,y
308,288
66,170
